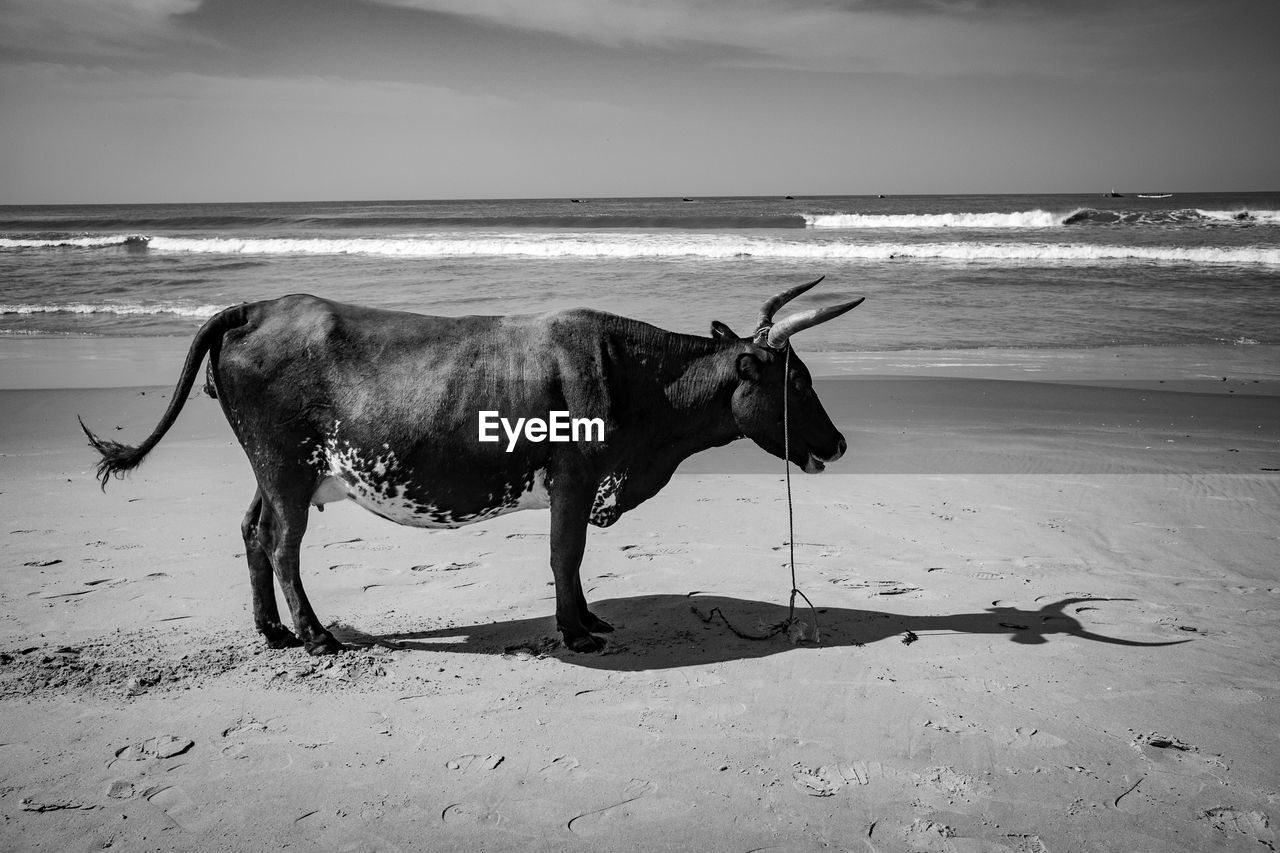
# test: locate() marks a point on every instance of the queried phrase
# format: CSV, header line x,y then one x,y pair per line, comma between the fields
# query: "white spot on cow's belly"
x,y
536,496
604,509
370,481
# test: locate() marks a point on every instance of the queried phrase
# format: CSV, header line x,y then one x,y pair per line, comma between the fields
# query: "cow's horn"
x,y
771,307
784,329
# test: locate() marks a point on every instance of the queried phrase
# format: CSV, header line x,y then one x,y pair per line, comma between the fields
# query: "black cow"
x,y
333,401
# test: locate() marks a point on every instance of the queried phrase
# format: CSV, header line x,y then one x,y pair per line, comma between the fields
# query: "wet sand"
x,y
1047,602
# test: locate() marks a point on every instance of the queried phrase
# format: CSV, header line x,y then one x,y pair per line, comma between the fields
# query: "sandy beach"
x,y
1046,585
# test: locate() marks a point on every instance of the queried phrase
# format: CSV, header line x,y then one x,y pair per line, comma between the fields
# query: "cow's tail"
x,y
118,458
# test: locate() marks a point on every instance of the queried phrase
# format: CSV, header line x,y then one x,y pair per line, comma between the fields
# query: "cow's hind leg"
x,y
282,523
266,616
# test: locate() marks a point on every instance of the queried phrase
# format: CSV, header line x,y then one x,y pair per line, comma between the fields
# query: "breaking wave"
x,y
84,241
1044,219
1023,219
200,311
406,235
711,246
1244,217
610,219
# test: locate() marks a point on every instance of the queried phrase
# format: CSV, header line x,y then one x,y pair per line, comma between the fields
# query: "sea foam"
x,y
1020,219
1262,217
86,241
198,311
713,246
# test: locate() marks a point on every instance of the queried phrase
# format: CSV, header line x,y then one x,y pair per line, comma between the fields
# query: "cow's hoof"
x,y
279,637
584,643
596,625
326,645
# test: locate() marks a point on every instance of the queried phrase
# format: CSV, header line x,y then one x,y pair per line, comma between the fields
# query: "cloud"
x,y
916,37
92,27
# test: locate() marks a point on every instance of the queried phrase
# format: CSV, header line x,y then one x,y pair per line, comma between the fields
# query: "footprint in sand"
x,y
121,789
928,836
1251,824
877,587
535,649
358,544
474,763
1166,750
652,553
476,814
164,746
947,782
826,780
244,726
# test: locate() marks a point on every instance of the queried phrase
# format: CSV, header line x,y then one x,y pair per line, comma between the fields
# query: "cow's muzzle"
x,y
817,464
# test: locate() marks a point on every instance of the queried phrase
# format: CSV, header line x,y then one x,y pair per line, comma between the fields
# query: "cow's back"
x,y
358,359
315,372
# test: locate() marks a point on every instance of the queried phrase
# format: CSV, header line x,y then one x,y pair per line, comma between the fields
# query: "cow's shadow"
x,y
664,631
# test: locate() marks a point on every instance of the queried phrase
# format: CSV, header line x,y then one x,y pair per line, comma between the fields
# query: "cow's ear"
x,y
749,367
721,331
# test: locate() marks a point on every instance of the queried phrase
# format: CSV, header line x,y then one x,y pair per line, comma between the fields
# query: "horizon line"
x,y
591,198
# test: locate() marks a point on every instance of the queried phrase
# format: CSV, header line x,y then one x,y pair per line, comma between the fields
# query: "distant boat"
x,y
1113,194
578,200
1155,195
686,199
791,198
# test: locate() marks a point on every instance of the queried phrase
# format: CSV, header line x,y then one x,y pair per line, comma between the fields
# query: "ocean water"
x,y
939,272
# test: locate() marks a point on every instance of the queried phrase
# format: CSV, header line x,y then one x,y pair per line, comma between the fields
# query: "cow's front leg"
x,y
593,623
568,541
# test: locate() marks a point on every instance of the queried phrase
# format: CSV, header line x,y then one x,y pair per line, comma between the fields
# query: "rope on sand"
x,y
795,629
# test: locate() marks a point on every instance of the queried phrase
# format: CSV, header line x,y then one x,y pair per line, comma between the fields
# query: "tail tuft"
x,y
117,458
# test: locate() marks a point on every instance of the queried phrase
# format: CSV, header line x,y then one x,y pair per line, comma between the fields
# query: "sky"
x,y
122,101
